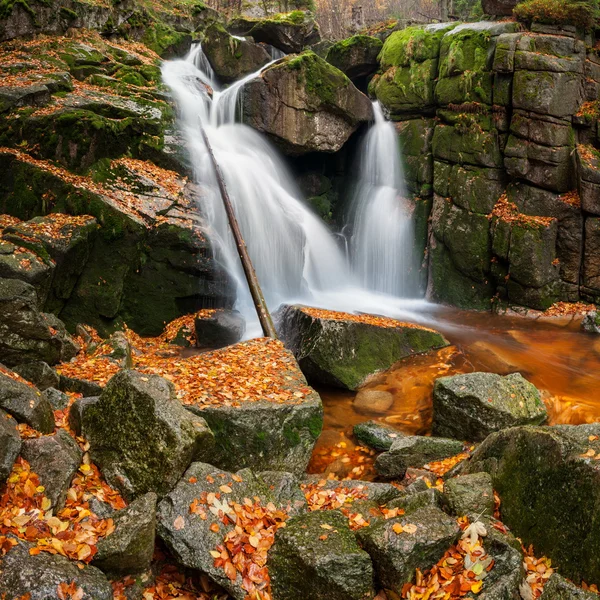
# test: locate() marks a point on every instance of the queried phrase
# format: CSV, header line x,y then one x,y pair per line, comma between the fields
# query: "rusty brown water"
x,y
552,353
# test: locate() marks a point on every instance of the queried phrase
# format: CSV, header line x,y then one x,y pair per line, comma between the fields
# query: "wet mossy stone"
x,y
591,322
559,588
190,538
396,555
343,352
419,496
289,32
471,406
261,434
58,400
414,451
10,444
129,548
140,436
304,105
355,56
38,576
55,458
25,403
549,485
471,496
376,435
305,563
79,386
232,58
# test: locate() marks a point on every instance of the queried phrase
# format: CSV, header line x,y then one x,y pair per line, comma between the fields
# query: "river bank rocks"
x,y
356,56
547,479
470,407
304,105
341,349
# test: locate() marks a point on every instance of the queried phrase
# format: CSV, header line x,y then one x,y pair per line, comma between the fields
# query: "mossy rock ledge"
x,y
549,485
342,350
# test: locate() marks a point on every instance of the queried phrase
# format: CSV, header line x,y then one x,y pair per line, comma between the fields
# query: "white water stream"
x,y
295,256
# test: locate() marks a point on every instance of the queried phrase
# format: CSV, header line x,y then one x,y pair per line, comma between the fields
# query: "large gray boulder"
x,y
231,58
471,406
428,534
355,56
559,588
38,577
129,548
289,32
55,459
221,328
27,334
548,480
25,403
140,436
414,451
39,373
340,349
304,105
188,518
470,495
10,444
317,556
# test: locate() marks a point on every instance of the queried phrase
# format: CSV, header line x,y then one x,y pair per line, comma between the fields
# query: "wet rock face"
x,y
305,105
336,350
10,444
549,487
232,58
470,407
140,436
38,577
222,328
304,564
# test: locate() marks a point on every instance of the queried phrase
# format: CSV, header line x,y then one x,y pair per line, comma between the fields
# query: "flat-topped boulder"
x,y
289,32
343,349
304,104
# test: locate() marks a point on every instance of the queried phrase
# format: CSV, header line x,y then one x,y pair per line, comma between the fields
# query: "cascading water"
x,y
382,244
294,254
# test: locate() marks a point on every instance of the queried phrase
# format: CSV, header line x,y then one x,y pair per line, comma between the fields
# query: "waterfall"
x,y
382,244
294,254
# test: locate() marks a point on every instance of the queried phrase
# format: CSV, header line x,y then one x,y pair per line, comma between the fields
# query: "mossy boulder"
x,y
340,350
220,328
24,574
355,56
471,406
549,485
559,588
232,58
304,104
414,451
591,322
470,495
39,373
414,137
317,556
289,32
378,436
140,436
191,535
409,64
396,555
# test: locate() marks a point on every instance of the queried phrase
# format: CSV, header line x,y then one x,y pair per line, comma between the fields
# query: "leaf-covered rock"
x,y
471,406
423,537
316,556
340,349
140,435
40,576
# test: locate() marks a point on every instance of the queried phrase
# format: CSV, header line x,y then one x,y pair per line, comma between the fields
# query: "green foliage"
x,y
584,14
468,10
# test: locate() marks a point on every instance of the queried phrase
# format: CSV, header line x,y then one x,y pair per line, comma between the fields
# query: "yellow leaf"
x,y
476,587
397,528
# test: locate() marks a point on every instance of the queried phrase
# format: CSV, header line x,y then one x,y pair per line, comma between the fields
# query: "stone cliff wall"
x,y
499,129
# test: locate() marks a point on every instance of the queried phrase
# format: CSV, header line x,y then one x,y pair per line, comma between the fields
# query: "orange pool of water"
x,y
562,361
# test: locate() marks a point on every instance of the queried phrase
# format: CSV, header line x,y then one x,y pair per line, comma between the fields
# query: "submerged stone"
x,y
341,349
471,406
